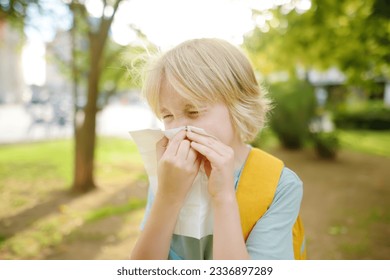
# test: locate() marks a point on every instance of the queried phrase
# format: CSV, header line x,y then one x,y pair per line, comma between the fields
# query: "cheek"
x,y
225,133
220,128
217,122
167,126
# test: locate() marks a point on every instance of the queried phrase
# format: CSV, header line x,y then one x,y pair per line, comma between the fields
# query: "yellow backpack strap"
x,y
299,242
255,192
256,187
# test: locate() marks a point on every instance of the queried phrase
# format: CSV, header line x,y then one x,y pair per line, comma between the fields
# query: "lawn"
x,y
37,210
370,142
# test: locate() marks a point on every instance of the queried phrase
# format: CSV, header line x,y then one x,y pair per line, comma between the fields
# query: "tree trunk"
x,y
85,122
85,137
84,148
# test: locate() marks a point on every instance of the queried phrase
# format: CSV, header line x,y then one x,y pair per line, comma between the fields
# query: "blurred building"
x,y
331,84
12,84
58,60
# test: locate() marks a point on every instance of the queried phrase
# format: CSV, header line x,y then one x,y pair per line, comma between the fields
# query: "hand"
x,y
178,165
219,164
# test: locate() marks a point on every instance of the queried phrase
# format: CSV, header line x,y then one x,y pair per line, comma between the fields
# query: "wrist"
x,y
172,201
224,198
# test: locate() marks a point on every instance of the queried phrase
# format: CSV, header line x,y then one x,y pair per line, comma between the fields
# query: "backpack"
x,y
255,193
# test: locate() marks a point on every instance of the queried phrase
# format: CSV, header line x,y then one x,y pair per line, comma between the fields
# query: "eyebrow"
x,y
190,106
163,109
187,106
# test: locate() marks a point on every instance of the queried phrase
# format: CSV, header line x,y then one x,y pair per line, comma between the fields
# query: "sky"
x,y
170,22
165,22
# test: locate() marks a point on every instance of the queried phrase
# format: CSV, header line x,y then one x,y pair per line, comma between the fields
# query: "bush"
x,y
326,144
294,108
371,116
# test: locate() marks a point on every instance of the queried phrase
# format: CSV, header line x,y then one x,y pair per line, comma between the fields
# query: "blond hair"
x,y
211,70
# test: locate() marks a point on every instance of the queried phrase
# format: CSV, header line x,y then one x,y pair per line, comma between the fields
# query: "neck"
x,y
241,151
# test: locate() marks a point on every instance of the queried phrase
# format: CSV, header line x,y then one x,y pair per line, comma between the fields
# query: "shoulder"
x,y
289,188
289,179
271,237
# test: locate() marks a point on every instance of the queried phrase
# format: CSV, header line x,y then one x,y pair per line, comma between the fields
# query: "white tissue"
x,y
196,217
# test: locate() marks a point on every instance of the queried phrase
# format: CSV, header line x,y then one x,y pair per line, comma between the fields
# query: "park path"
x,y
346,204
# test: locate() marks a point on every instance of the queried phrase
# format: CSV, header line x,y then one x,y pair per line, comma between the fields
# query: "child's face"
x,y
176,111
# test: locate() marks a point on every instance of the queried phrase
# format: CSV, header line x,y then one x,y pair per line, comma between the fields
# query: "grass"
x,y
32,174
48,160
111,210
369,142
29,160
32,163
114,156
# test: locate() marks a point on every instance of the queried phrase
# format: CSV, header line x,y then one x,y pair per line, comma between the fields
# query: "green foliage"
x,y
122,69
326,144
368,115
15,11
265,139
352,35
114,60
294,108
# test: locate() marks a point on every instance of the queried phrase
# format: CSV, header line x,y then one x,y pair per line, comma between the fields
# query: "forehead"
x,y
170,99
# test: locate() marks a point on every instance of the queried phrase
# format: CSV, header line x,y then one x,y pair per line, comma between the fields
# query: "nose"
x,y
178,122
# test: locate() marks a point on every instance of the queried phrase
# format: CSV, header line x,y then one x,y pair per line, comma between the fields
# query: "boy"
x,y
210,84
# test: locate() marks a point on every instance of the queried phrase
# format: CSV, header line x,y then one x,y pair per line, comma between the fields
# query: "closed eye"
x,y
193,114
166,116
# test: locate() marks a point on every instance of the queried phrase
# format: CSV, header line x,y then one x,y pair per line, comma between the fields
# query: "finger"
x,y
200,131
161,146
197,164
208,141
192,154
206,151
196,158
174,143
183,150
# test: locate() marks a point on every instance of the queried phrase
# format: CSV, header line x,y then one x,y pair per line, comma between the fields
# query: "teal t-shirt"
x,y
271,237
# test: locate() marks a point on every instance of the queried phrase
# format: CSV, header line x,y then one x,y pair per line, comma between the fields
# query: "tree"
x,y
104,75
96,70
97,31
15,10
95,65
351,35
